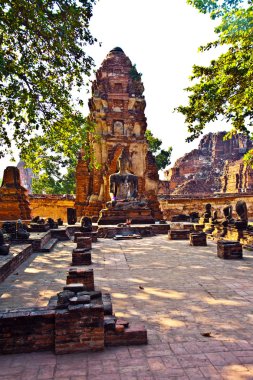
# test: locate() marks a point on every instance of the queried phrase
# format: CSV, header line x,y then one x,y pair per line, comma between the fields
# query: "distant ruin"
x,y
215,167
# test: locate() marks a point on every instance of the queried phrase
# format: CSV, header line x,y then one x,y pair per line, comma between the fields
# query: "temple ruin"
x,y
117,107
14,203
215,167
199,216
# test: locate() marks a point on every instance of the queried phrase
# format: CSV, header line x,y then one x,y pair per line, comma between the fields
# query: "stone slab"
x,y
111,231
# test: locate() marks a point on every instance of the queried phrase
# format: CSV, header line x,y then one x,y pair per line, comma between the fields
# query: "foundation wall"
x,y
43,329
55,206
182,205
27,330
18,256
51,206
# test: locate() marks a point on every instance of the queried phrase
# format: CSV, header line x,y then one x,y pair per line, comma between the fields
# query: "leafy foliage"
x,y
162,156
216,8
52,181
42,60
248,158
224,88
134,74
49,165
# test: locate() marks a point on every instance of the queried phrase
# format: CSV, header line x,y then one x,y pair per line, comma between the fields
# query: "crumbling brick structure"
x,y
117,108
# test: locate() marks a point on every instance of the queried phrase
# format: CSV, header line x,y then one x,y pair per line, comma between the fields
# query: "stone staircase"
x,y
49,245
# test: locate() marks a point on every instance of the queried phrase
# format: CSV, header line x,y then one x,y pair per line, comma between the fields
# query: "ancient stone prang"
x,y
117,109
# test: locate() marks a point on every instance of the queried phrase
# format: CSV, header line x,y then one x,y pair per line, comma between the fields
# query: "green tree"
x,y
225,87
162,156
42,60
134,74
52,181
55,170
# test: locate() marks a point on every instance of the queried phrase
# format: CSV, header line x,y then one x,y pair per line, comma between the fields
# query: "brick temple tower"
x,y
117,108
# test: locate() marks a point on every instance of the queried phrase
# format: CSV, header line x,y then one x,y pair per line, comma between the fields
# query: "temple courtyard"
x,y
196,307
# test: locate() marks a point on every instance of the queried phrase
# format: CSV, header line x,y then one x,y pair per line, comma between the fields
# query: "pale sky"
x,y
162,39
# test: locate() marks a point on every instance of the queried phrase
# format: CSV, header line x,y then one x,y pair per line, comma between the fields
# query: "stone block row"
x,y
226,249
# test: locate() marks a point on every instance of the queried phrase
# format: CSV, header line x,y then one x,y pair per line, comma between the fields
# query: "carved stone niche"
x,y
117,106
118,128
118,87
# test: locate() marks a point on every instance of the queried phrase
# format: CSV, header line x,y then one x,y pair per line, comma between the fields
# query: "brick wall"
x,y
182,205
79,328
27,330
72,329
55,206
51,206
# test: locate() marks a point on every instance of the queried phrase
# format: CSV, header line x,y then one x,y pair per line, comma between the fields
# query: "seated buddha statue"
x,y
123,184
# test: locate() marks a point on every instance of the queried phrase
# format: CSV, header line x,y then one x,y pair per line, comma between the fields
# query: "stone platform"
x,y
137,216
112,231
143,230
61,233
41,241
45,241
198,320
36,227
75,324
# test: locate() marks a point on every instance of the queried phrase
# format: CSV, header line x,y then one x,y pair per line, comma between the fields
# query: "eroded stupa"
x,y
14,203
117,108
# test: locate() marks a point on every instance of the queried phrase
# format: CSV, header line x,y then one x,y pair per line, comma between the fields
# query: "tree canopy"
x,y
55,169
162,156
225,87
42,60
53,181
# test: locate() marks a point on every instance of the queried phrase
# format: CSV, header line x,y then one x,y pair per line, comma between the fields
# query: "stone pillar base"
x,y
81,276
228,249
198,239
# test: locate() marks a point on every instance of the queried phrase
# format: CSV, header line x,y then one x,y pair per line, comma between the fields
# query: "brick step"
x,y
107,302
49,245
61,234
122,333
